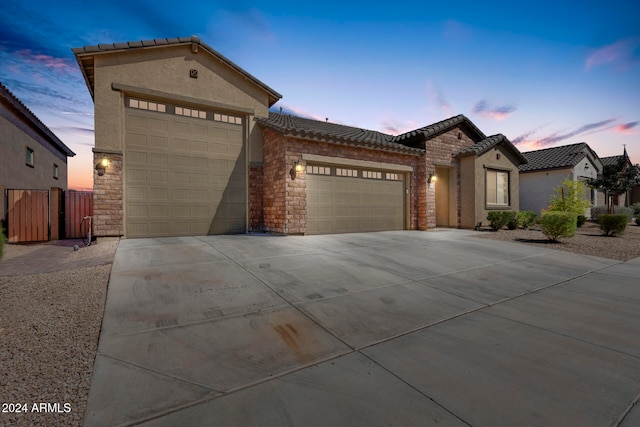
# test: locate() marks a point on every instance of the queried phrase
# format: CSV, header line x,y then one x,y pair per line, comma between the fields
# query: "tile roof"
x,y
34,121
85,57
437,128
565,156
332,132
488,143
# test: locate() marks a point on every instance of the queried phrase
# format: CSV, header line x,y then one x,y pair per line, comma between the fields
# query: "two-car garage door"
x,y
346,200
184,171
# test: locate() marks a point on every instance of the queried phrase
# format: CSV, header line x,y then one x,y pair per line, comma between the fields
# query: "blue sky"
x,y
542,73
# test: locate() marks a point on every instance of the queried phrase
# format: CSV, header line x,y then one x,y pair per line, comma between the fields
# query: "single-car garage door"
x,y
184,171
345,200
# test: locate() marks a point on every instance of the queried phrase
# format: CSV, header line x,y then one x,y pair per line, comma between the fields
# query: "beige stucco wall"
x,y
15,137
167,70
490,160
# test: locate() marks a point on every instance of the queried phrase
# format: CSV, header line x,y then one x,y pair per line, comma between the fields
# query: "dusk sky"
x,y
542,73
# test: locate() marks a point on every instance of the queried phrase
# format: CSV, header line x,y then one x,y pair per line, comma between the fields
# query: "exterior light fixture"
x,y
102,165
432,178
297,167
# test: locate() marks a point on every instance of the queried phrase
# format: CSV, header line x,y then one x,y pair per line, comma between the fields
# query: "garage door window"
x,y
318,170
147,105
347,172
372,174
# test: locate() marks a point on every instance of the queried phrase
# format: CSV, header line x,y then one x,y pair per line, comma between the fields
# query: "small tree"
x,y
569,198
616,179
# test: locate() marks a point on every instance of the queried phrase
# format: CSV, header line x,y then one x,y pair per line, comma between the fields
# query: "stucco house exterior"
x,y
192,148
546,169
31,156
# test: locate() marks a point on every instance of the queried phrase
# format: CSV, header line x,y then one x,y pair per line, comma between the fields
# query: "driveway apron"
x,y
403,328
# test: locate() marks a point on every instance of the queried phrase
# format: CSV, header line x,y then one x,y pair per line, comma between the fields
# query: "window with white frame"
x,y
56,171
497,188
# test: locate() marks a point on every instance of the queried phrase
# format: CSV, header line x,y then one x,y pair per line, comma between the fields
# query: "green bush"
x,y
558,224
526,219
596,211
636,209
613,224
512,219
581,220
498,219
638,220
569,197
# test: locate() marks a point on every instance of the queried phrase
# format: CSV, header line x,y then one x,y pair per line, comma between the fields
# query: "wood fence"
x,y
77,205
27,215
37,215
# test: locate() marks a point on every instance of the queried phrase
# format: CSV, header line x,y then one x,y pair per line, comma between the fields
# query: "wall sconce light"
x,y
432,178
297,167
101,167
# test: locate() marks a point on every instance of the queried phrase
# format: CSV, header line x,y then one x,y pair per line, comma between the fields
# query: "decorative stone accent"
x,y
107,197
285,199
256,198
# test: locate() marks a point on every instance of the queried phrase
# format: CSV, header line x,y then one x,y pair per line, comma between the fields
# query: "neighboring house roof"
x,y
566,156
33,121
487,144
435,129
332,132
613,160
85,57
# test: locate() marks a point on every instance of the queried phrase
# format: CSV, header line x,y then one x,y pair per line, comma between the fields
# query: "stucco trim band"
x,y
138,91
359,163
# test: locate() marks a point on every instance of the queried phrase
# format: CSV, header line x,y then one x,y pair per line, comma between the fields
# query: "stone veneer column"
x,y
108,219
256,197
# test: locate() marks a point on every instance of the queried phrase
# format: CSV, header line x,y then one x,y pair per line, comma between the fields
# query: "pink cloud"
x,y
392,126
50,62
499,112
626,128
620,52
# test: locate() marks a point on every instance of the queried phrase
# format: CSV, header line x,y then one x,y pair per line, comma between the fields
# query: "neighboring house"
x,y
192,149
626,199
546,169
31,156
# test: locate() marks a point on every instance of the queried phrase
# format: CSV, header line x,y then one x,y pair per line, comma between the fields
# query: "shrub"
x,y
2,242
526,219
581,220
498,219
613,224
638,220
512,219
558,224
569,197
596,211
636,209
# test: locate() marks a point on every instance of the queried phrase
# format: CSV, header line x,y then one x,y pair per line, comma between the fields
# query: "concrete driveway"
x,y
393,328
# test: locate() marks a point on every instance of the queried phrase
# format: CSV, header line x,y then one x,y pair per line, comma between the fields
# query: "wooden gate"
x,y
77,205
27,215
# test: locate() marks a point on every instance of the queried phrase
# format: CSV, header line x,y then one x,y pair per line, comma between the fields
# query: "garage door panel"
x,y
176,164
345,204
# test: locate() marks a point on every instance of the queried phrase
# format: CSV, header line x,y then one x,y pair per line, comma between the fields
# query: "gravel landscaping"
x,y
49,329
588,240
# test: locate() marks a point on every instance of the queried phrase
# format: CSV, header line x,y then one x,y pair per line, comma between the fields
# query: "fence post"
x,y
55,213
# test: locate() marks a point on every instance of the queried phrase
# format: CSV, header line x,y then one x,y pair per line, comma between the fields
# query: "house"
x,y
626,199
546,169
31,156
186,145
